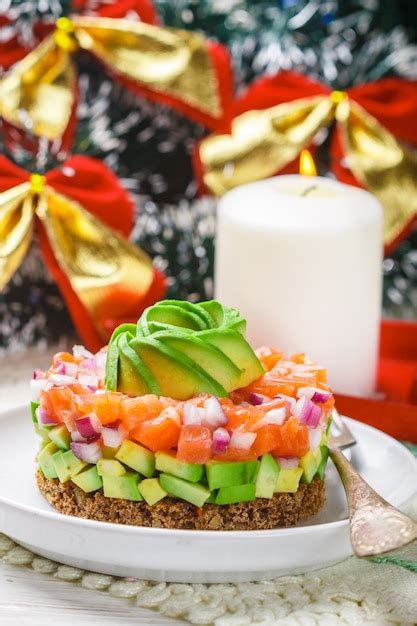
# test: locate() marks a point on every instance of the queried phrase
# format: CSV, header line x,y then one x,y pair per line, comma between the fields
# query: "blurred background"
x,y
149,146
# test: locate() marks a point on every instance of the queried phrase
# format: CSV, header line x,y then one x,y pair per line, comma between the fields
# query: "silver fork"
x,y
375,525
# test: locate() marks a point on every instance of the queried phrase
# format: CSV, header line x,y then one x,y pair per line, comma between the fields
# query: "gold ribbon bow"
x,y
262,142
37,94
94,258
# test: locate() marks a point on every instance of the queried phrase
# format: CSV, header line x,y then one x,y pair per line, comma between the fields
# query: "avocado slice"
x,y
324,450
235,346
178,376
151,490
229,474
122,487
67,465
112,358
309,464
137,457
288,480
237,493
168,313
88,480
168,464
213,361
216,311
191,308
267,477
195,493
60,436
133,378
45,460
110,467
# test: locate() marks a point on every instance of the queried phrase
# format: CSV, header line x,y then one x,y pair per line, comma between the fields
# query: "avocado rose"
x,y
180,349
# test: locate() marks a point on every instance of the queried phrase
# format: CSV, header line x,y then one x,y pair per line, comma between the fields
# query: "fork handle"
x,y
375,525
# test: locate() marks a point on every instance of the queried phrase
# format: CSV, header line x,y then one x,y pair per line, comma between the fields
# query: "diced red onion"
x,y
307,412
61,380
287,462
38,374
314,437
291,401
70,369
88,426
112,437
192,414
256,398
276,416
101,358
43,417
321,396
89,364
59,368
242,441
88,452
36,386
88,380
214,414
221,440
314,393
81,352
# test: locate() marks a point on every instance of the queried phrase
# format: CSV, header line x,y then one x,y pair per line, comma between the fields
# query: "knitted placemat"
x,y
379,591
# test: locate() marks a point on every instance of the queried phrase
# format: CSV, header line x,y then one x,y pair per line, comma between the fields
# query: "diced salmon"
x,y
195,443
293,439
140,409
161,433
108,406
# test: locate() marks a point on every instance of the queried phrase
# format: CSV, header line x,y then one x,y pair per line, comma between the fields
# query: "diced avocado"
x,y
45,460
329,425
323,462
88,480
123,487
109,453
33,407
179,376
235,346
220,474
267,477
309,464
288,480
212,498
191,492
110,467
151,490
168,464
42,432
137,457
238,493
213,361
60,436
112,357
67,465
133,378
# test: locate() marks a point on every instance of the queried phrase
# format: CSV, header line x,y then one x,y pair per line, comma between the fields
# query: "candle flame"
x,y
307,165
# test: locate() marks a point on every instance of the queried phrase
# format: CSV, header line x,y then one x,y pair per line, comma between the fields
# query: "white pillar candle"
x,y
300,257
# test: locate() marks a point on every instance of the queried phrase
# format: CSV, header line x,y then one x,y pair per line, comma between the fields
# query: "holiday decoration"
x,y
103,278
149,145
172,66
264,139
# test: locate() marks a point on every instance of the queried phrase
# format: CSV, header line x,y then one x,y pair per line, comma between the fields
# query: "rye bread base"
x,y
284,509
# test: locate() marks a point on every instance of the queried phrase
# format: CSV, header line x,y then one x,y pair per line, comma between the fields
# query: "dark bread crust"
x,y
284,509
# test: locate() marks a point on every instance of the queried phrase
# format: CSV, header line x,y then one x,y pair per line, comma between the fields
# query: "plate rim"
x,y
56,516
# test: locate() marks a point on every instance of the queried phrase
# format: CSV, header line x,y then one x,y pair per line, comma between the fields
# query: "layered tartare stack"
x,y
179,423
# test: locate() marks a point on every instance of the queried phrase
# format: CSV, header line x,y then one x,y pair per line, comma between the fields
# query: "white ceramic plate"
x,y
187,555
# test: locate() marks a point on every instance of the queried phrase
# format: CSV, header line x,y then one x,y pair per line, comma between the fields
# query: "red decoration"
x,y
96,188
394,409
